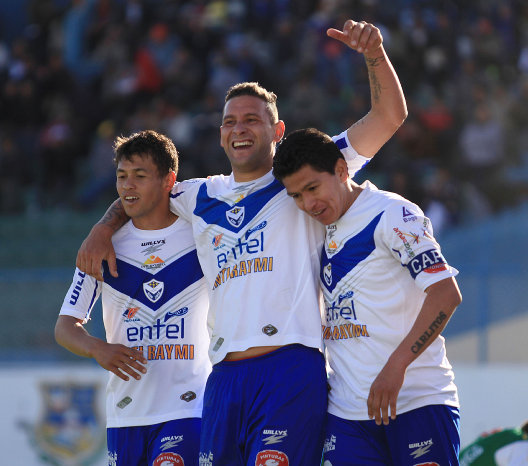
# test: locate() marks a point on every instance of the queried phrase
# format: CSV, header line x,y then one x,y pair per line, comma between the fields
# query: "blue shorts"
x,y
168,443
425,436
268,410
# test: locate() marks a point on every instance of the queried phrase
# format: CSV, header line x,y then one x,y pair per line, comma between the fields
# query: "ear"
x,y
280,128
341,170
170,179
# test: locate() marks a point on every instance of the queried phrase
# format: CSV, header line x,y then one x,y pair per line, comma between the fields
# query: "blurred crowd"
x,y
83,71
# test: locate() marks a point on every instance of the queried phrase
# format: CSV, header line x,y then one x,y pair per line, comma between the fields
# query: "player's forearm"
x,y
386,94
70,334
438,307
115,217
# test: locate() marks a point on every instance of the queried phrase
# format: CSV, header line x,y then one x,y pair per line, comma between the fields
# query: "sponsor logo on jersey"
x,y
239,198
332,245
153,262
170,441
345,331
408,216
347,295
406,244
243,246
414,236
70,429
235,216
152,247
188,396
271,458
180,312
273,436
337,310
260,226
153,290
430,261
242,268
205,459
77,288
129,314
269,330
216,242
157,331
167,352
330,444
327,274
168,459
420,448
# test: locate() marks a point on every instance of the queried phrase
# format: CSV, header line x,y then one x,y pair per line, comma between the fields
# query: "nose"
x,y
239,127
309,202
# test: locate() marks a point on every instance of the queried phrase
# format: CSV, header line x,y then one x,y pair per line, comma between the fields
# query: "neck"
x,y
163,221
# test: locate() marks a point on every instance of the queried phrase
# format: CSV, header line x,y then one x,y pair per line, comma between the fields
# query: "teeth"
x,y
242,143
131,198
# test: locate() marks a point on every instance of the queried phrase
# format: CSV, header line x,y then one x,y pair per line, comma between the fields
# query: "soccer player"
x,y
388,294
503,447
154,315
266,397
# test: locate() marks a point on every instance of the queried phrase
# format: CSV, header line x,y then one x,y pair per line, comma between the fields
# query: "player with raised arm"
x,y
154,315
388,294
266,398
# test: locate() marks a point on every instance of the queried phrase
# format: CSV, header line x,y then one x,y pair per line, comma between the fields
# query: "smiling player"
x,y
154,316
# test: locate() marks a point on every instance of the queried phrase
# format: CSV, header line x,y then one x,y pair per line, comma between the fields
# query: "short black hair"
x,y
305,147
256,90
148,143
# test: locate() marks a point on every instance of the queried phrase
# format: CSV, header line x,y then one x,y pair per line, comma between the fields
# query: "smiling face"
x,y
248,136
144,193
322,195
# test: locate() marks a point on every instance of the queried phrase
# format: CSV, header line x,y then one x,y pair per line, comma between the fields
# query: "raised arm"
x,y
119,359
441,301
388,107
97,246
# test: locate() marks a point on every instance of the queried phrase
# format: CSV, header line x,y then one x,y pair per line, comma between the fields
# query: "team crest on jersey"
x,y
153,290
271,458
327,274
235,216
70,430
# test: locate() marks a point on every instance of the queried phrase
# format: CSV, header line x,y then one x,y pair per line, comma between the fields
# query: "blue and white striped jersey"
x,y
260,256
378,260
159,305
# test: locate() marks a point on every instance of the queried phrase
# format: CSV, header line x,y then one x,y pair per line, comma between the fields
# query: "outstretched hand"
x,y
360,36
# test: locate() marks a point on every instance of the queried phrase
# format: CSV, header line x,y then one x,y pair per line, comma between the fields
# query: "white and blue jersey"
x,y
260,256
158,304
378,260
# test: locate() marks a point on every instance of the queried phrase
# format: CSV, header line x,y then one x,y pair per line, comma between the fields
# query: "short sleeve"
x,y
411,241
183,197
81,297
354,161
